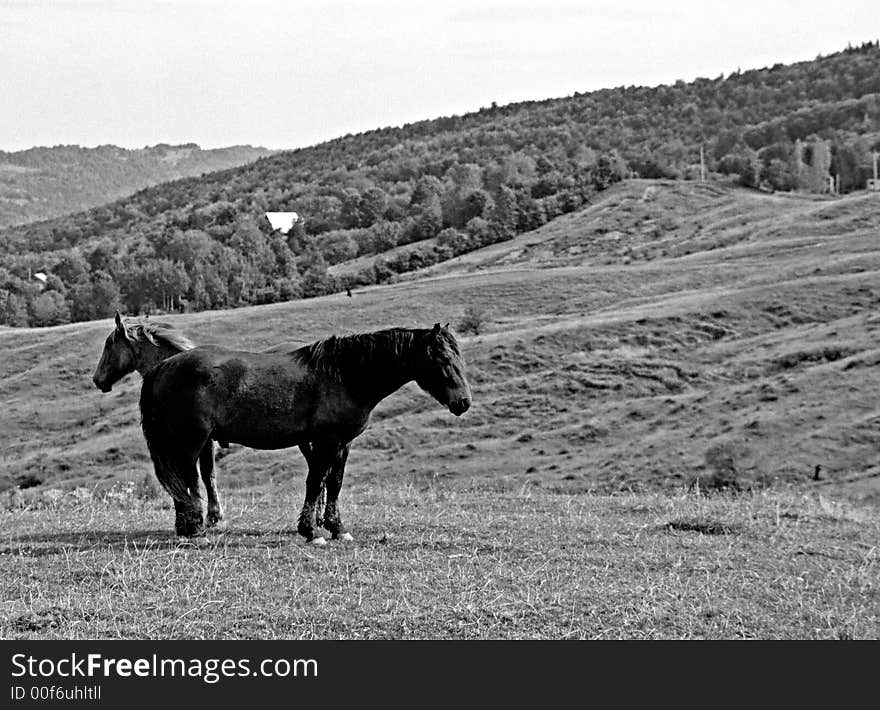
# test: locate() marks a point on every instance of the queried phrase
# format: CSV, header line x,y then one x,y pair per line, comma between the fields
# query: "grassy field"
x,y
448,562
656,382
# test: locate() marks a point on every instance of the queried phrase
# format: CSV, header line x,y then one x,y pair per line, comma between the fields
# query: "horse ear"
x,y
436,328
446,327
119,325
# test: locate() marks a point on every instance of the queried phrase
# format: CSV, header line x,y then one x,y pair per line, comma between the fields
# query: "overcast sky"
x,y
288,74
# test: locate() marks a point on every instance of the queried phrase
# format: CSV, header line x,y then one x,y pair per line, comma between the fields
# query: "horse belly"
x,y
262,433
262,427
261,410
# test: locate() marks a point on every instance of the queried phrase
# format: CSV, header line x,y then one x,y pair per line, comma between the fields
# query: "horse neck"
x,y
150,355
385,368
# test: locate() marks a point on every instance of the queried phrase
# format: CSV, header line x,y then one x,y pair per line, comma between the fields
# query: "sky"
x,y
289,74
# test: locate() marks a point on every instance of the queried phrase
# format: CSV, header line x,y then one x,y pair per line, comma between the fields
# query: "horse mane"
x,y
158,333
342,355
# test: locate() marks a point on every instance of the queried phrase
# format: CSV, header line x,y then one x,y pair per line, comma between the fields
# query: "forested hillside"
x,y
440,187
41,183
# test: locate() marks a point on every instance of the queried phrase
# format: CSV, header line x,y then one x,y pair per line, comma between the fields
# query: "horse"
x,y
140,346
320,394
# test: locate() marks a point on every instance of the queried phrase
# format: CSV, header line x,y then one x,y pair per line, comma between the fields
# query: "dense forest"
x,y
444,186
40,183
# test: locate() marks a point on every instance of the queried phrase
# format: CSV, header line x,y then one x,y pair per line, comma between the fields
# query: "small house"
x,y
282,221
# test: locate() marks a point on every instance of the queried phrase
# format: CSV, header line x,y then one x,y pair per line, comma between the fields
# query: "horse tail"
x,y
167,469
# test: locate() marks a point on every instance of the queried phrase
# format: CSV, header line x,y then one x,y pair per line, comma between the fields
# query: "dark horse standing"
x,y
321,394
140,346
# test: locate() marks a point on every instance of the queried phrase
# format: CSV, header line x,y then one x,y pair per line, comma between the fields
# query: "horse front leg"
x,y
332,519
306,449
319,464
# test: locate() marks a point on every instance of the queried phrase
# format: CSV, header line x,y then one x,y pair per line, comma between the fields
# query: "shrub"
x,y
725,464
473,320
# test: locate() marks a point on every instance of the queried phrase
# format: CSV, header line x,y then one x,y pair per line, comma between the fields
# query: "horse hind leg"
x,y
216,518
179,476
193,517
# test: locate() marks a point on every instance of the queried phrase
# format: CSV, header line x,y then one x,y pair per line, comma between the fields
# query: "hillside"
x,y
659,375
41,183
399,199
622,343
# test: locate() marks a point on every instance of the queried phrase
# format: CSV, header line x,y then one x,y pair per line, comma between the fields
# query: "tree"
x,y
372,206
106,298
452,242
517,170
72,267
49,308
777,175
609,169
504,213
820,166
846,168
191,248
297,238
102,256
751,167
480,233
364,209
386,236
316,280
464,195
337,246
285,259
428,219
426,189
158,283
98,298
13,309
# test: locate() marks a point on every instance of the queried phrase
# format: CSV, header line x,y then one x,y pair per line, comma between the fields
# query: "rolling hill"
x,y
658,376
41,183
670,332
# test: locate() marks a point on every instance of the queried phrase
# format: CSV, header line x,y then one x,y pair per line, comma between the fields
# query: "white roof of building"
x,y
282,221
40,276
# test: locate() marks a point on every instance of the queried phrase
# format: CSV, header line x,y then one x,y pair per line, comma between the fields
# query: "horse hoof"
x,y
346,537
220,525
319,541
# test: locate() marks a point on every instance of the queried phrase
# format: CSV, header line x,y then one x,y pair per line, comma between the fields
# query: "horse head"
x,y
117,360
441,372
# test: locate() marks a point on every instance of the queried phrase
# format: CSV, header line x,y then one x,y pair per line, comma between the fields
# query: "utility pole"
x,y
703,164
874,184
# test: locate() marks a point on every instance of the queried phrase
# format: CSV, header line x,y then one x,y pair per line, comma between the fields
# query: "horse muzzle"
x,y
103,387
460,406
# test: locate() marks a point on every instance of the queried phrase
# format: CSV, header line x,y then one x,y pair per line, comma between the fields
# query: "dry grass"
x,y
449,562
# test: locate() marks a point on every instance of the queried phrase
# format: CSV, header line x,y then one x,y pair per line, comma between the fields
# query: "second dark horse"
x,y
322,393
